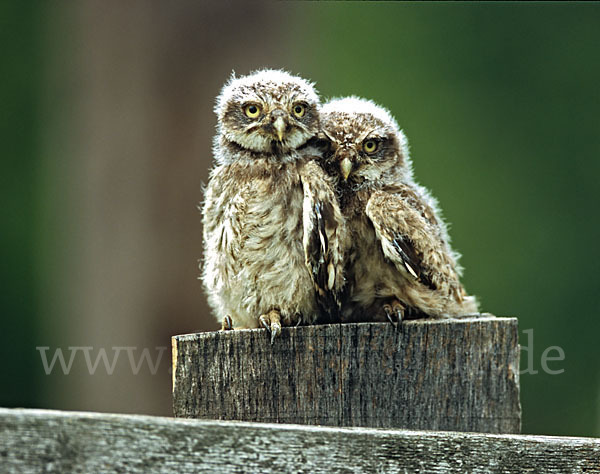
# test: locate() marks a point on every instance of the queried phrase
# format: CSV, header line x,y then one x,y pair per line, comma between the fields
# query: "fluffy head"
x,y
363,143
268,111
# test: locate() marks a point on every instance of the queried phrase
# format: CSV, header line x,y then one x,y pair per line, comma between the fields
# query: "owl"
x,y
272,224
399,263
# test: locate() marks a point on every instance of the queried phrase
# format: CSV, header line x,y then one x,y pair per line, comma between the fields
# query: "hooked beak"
x,y
346,168
279,126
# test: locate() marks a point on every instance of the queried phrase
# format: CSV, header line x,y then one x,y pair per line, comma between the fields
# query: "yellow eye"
x,y
299,110
370,146
252,110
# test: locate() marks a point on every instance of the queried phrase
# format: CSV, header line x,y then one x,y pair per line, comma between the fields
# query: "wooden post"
x,y
454,375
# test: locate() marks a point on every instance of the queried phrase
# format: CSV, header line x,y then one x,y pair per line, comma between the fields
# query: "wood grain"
x,y
63,442
455,375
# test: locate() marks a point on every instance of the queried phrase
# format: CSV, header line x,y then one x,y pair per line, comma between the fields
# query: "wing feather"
x,y
323,234
400,226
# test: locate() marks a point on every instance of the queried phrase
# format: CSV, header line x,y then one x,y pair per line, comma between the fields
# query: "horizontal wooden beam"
x,y
54,441
454,374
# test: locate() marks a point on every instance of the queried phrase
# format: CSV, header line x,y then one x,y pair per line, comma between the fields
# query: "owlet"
x,y
400,262
272,225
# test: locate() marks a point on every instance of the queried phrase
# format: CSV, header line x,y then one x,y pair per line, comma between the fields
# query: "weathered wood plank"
x,y
53,441
458,375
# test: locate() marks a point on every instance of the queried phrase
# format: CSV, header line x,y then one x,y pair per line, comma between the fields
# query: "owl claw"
x,y
264,322
272,323
394,312
227,324
275,331
400,315
388,312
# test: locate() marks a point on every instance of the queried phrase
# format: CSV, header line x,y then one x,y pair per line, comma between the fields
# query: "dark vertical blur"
x,y
107,121
20,50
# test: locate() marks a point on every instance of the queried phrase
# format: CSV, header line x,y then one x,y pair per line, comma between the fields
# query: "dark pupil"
x,y
298,109
370,145
252,109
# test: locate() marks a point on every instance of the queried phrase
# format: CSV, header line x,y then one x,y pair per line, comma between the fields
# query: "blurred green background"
x,y
106,126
